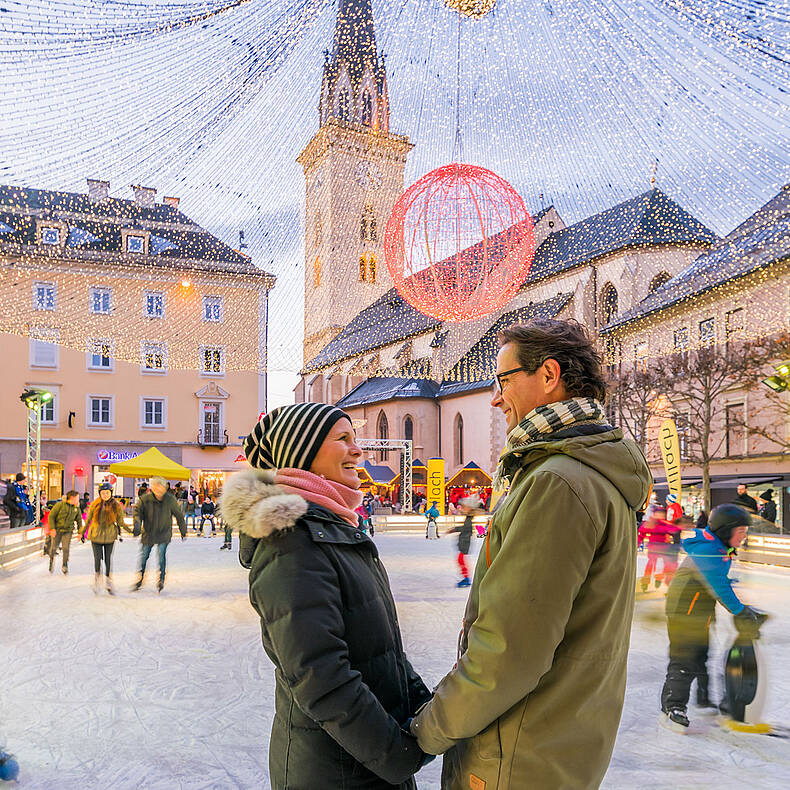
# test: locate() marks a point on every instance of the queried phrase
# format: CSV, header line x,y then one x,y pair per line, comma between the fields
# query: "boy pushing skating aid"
x,y
701,580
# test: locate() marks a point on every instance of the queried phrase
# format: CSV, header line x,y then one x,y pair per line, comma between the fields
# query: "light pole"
x,y
34,400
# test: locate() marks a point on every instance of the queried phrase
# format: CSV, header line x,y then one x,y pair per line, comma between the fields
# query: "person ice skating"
x,y
153,520
207,509
431,530
344,687
535,698
701,580
64,518
104,524
663,544
464,540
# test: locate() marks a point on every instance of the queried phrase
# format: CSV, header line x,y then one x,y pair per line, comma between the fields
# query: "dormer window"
x,y
135,244
50,235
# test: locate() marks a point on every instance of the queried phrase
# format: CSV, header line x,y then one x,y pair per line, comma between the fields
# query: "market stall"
x,y
467,481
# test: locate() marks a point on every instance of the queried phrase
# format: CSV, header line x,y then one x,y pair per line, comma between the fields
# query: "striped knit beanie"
x,y
290,436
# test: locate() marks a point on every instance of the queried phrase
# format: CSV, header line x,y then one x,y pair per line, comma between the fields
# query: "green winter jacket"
x,y
65,517
535,698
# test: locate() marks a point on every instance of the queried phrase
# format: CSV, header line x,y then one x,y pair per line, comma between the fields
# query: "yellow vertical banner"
x,y
670,454
435,489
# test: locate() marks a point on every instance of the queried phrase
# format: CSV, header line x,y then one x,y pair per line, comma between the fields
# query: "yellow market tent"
x,y
151,463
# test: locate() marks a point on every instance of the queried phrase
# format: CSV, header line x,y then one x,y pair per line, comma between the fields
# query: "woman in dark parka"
x,y
344,690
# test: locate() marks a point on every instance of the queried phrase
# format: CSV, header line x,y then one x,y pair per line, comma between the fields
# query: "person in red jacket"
x,y
663,543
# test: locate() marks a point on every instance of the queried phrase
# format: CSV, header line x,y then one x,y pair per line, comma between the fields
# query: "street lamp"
x,y
781,381
33,400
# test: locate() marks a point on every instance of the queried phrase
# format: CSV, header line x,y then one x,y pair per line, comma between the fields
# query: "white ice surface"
x,y
175,691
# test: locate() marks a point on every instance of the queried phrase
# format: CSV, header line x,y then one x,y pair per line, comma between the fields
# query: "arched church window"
x,y
458,436
660,279
408,428
383,432
608,303
363,268
371,268
368,228
344,105
367,109
317,272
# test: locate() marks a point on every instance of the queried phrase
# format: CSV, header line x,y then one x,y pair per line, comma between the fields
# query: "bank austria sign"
x,y
111,456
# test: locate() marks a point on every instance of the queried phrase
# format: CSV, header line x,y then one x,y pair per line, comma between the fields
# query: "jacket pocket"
x,y
488,743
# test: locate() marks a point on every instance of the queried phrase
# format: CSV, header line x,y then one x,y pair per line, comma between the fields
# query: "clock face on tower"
x,y
368,175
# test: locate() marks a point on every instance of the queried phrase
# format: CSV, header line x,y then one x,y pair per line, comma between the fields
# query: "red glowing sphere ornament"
x,y
459,243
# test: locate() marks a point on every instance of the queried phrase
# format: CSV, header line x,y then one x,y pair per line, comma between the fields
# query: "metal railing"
x,y
212,438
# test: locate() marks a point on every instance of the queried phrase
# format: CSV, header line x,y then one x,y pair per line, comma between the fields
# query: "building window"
x,y
135,244
458,437
316,272
367,109
153,357
734,419
733,326
363,269
48,412
101,301
368,228
212,309
707,332
343,105
44,296
50,235
100,355
408,428
212,360
99,411
640,357
612,352
371,268
681,338
153,413
660,279
44,349
608,303
154,304
382,432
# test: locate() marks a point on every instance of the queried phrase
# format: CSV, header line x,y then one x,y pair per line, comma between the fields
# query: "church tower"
x,y
353,171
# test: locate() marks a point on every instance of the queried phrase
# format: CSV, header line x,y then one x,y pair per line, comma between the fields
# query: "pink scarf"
x,y
335,497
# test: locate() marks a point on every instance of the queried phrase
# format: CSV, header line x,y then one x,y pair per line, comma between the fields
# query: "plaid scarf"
x,y
541,422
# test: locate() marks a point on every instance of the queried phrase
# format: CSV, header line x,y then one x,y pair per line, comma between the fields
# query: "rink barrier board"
x,y
417,523
16,545
767,550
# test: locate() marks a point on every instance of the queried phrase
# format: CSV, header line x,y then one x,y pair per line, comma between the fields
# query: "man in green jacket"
x,y
63,518
153,518
536,695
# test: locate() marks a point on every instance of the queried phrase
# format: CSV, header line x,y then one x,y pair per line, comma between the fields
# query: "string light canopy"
x,y
459,243
476,9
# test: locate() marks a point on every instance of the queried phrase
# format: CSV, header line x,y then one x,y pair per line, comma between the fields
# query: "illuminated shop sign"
x,y
111,456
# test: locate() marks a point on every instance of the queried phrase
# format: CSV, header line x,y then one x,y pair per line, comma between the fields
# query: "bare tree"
x,y
696,383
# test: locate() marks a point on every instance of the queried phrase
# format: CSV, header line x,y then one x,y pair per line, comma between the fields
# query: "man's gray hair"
x,y
158,481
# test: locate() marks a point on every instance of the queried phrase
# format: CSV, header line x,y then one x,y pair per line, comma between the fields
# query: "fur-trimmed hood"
x,y
254,505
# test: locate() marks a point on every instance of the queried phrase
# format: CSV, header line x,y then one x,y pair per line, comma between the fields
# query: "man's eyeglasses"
x,y
498,385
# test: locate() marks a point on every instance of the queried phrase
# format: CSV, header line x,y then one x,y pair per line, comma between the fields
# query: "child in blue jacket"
x,y
701,580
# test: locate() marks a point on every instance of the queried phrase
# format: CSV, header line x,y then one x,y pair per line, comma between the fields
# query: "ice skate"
x,y
160,585
96,583
109,586
65,570
138,584
675,720
465,582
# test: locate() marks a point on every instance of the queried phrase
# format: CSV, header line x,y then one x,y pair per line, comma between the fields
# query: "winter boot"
x,y
96,583
108,582
138,584
675,719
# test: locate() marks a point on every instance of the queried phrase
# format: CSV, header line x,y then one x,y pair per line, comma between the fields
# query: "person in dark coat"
x,y
153,518
345,691
767,509
14,501
744,500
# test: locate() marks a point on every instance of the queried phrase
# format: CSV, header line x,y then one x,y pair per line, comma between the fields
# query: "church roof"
x,y
764,243
378,390
475,370
95,226
648,219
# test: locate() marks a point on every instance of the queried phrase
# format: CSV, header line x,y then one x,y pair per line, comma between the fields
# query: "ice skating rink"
x,y
174,690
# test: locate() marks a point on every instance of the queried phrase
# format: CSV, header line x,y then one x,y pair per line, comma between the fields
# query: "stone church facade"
x,y
399,373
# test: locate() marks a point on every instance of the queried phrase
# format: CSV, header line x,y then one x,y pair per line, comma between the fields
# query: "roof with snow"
x,y
760,241
96,225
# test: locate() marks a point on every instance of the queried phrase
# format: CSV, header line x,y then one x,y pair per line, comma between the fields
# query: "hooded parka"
x,y
344,689
536,696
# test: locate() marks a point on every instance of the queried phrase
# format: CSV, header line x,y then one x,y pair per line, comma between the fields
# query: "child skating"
x,y
464,540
